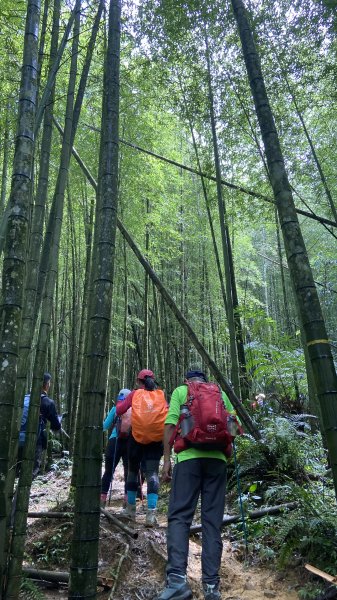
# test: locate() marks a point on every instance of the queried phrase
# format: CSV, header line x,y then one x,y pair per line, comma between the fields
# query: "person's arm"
x,y
167,467
122,407
52,416
170,423
109,419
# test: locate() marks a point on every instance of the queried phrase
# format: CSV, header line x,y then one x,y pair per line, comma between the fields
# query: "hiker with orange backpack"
x,y
200,426
149,410
117,445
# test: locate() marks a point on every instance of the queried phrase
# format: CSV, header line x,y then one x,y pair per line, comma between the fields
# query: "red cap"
x,y
144,373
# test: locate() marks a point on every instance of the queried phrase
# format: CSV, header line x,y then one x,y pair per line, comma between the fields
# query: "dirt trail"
x,y
136,568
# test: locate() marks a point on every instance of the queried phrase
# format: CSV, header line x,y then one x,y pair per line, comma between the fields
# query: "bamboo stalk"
x,y
119,566
59,576
50,515
255,514
326,576
131,532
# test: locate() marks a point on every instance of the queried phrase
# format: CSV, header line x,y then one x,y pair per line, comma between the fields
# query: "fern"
x,y
30,591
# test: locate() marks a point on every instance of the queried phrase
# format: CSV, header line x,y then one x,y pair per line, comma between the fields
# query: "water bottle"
x,y
187,420
232,426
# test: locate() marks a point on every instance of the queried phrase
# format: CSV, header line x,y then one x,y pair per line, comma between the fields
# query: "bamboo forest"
x,y
168,219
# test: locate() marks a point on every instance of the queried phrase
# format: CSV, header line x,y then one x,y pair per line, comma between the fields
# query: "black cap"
x,y
195,371
46,378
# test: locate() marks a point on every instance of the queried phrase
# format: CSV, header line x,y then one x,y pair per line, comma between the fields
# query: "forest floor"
x,y
136,568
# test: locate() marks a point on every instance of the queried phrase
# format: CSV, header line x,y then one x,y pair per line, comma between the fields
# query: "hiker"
x,y
149,410
117,445
199,471
47,413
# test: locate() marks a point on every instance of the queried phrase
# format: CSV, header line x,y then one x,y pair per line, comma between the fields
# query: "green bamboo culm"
x,y
15,256
305,293
84,553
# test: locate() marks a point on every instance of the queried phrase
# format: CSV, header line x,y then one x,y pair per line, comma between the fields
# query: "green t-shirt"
x,y
179,397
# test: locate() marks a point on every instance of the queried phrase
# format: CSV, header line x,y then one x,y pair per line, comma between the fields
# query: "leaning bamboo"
x,y
179,316
59,576
113,519
254,514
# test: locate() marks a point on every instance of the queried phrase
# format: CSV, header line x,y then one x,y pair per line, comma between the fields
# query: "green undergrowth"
x,y
30,591
287,465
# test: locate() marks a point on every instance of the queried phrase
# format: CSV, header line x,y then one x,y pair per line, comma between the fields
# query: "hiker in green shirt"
x,y
198,472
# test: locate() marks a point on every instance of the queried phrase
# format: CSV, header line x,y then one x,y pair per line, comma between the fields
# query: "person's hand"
x,y
167,470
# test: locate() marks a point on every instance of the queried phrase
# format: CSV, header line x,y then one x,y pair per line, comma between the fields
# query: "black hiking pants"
x,y
117,448
204,477
145,457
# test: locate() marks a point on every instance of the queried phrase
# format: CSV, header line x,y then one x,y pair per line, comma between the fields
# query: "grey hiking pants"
x,y
205,477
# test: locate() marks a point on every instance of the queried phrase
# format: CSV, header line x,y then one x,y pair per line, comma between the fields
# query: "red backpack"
x,y
206,420
125,424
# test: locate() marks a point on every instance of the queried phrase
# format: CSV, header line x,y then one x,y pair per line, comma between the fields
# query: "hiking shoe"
x,y
129,512
176,588
151,520
211,591
103,500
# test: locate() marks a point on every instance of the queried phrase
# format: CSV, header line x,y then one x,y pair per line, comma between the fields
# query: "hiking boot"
x,y
129,512
103,500
176,588
151,520
211,591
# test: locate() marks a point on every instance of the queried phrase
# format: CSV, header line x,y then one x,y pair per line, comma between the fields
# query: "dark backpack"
x,y
22,434
24,418
206,420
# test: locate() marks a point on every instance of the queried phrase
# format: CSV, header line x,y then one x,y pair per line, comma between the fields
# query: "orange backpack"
x,y
149,410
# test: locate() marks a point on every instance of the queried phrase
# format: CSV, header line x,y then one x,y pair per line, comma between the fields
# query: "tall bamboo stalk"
x,y
83,569
25,479
15,254
306,296
225,238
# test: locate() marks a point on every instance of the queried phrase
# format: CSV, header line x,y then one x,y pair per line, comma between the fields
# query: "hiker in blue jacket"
x,y
116,448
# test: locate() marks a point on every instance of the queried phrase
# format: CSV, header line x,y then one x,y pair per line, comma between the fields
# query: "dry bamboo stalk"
x,y
120,562
326,576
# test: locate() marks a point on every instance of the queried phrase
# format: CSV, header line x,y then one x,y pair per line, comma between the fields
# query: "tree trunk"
x,y
76,409
229,272
161,359
36,237
310,142
125,319
4,164
53,72
15,254
42,42
146,297
25,479
306,296
83,578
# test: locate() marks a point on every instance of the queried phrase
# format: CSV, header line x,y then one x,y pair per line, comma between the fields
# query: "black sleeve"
x,y
48,411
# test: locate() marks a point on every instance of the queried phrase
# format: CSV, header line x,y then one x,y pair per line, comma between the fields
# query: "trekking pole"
x,y
141,486
244,526
113,462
